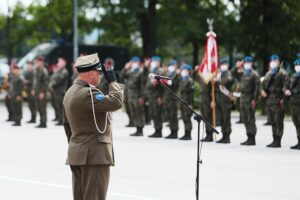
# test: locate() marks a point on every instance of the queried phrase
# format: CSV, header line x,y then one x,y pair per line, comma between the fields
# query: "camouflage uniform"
x,y
237,79
40,85
28,75
275,85
294,105
124,80
250,85
16,92
8,98
155,93
225,104
136,93
59,83
186,93
171,106
205,100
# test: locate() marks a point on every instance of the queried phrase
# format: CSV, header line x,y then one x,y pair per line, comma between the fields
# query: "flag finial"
x,y
210,23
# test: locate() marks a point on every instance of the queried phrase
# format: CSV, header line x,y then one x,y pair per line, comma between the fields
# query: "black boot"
x,y
32,120
248,137
139,132
277,142
297,146
173,135
208,138
156,134
55,119
59,123
17,123
42,125
272,143
267,124
251,140
225,139
187,136
10,119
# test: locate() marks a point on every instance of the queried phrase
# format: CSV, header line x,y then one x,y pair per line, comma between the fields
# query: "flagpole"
x,y
213,97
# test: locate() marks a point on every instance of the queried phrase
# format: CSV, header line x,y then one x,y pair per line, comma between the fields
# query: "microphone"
x,y
158,77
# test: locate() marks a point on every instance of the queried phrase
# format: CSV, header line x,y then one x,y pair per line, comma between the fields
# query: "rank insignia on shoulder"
x,y
100,96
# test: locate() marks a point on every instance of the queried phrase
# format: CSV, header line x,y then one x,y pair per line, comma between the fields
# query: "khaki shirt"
x,y
86,145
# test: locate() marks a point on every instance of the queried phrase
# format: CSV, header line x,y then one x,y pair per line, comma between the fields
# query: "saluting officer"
x,y
294,94
88,128
249,88
275,87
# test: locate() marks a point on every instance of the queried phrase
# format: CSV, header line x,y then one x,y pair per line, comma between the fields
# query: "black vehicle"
x,y
115,55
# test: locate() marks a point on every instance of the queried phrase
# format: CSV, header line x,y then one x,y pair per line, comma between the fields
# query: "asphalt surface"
x,y
32,164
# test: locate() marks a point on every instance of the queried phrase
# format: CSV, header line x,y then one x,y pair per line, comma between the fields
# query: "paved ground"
x,y
32,165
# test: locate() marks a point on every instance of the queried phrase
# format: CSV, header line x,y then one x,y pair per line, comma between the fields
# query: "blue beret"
x,y
135,59
248,59
297,62
224,61
187,67
172,62
274,57
156,58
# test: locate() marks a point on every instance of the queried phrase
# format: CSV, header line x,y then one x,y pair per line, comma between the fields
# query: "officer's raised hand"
x,y
108,74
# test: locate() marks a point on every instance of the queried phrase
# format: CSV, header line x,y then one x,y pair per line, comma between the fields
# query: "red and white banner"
x,y
210,60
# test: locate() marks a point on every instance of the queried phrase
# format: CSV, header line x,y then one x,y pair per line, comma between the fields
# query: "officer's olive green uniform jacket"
x,y
86,145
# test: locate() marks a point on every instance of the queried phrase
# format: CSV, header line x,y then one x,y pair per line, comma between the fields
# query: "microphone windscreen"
x,y
151,76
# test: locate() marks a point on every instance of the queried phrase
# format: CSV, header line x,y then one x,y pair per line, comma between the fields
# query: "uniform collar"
x,y
81,82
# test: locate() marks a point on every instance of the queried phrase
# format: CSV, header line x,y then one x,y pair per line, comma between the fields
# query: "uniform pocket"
x,y
104,139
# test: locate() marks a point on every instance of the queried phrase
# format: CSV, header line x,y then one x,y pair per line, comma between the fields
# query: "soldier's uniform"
x,y
8,98
136,95
276,82
205,100
237,73
59,83
171,105
295,101
28,76
224,101
155,93
16,95
88,129
249,88
124,80
186,93
40,86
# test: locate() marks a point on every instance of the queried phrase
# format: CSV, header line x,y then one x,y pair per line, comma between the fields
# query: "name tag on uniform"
x,y
100,97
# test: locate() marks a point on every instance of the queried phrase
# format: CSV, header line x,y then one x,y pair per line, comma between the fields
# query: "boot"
x,y
248,138
32,121
208,138
17,123
187,136
55,119
251,140
156,134
139,132
271,144
225,139
297,146
42,125
173,135
131,124
59,123
277,143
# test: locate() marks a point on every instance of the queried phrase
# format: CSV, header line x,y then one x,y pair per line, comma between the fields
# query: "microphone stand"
x,y
198,118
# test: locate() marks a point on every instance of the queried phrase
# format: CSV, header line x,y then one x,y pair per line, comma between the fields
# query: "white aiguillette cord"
x,y
94,115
